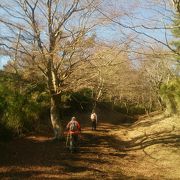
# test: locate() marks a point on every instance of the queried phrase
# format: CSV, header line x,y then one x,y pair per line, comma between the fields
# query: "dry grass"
x,y
155,143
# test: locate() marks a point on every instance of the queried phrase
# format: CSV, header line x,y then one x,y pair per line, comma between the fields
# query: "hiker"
x,y
94,120
74,129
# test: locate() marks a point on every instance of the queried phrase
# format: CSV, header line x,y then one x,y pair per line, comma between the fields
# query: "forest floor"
x,y
146,149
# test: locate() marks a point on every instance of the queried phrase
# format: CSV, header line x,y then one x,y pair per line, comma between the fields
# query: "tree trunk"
x,y
55,118
55,102
160,103
94,106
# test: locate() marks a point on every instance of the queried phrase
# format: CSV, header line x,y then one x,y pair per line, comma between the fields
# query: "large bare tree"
x,y
51,36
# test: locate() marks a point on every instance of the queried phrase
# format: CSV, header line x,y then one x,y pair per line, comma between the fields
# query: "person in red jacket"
x,y
74,130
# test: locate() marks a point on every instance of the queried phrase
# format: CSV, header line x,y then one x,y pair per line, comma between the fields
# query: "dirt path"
x,y
102,156
38,157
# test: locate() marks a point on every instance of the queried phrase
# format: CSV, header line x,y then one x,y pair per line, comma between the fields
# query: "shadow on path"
x,y
41,157
101,155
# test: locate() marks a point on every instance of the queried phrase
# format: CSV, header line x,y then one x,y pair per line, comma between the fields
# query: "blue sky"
x,y
3,60
146,12
137,12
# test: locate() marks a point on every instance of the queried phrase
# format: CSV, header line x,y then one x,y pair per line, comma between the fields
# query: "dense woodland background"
x,y
61,64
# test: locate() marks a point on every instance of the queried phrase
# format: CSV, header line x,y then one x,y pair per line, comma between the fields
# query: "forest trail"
x,y
104,154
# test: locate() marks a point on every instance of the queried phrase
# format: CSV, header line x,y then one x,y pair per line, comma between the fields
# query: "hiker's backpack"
x,y
73,126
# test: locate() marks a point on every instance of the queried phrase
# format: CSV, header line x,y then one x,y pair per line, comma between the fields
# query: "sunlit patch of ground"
x,y
155,144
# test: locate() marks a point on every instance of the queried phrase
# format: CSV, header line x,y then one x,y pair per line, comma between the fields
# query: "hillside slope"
x,y
154,144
